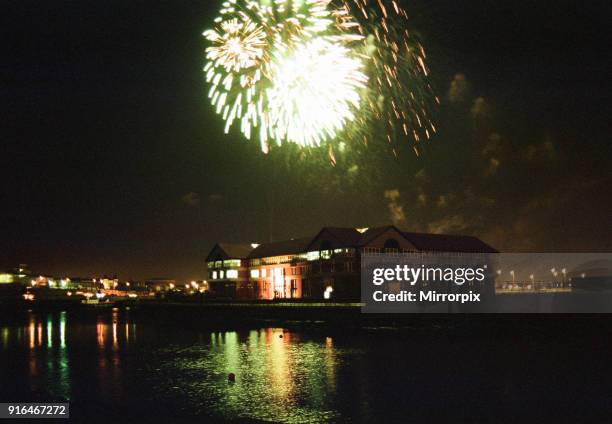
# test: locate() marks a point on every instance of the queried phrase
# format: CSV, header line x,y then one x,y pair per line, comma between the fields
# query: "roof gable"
x,y
222,251
334,238
280,248
378,237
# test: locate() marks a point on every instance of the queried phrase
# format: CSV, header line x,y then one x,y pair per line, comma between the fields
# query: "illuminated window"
x,y
264,273
214,275
6,278
221,274
312,256
231,263
232,273
254,273
279,281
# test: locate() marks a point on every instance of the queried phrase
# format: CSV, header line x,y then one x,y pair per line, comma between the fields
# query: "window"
x,y
312,256
232,273
264,273
221,274
392,246
254,273
214,275
231,263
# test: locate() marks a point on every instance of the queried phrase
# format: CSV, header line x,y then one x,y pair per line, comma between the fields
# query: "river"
x,y
113,365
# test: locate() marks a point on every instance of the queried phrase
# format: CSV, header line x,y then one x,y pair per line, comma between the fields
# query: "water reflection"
x,y
45,343
279,376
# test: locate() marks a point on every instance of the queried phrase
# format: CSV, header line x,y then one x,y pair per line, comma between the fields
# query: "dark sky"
x,y
114,162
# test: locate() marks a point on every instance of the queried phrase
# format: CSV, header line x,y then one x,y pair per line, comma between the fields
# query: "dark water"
x,y
114,366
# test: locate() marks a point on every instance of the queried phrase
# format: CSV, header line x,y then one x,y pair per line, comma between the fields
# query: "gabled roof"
x,y
280,248
230,251
349,237
448,243
372,233
340,237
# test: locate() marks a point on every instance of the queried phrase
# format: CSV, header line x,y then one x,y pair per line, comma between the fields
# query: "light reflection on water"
x,y
113,366
277,378
280,376
47,355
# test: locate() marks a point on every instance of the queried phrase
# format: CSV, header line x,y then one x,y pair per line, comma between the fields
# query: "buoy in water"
x,y
231,377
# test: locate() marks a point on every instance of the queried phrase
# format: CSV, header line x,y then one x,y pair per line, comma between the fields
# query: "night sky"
x,y
114,162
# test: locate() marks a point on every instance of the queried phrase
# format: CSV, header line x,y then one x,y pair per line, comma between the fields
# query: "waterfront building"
x,y
228,271
326,266
276,269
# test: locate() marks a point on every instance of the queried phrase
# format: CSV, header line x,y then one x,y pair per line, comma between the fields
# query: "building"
x,y
276,269
228,271
326,266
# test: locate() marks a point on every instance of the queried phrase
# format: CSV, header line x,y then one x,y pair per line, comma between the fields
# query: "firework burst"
x,y
311,71
314,92
255,44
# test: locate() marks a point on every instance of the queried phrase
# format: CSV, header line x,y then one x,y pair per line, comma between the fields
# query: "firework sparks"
x,y
399,97
315,90
311,71
239,45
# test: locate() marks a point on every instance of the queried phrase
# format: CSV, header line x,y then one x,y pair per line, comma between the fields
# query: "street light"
x,y
564,272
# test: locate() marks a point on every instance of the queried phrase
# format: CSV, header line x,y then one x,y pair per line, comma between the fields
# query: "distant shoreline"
x,y
331,317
